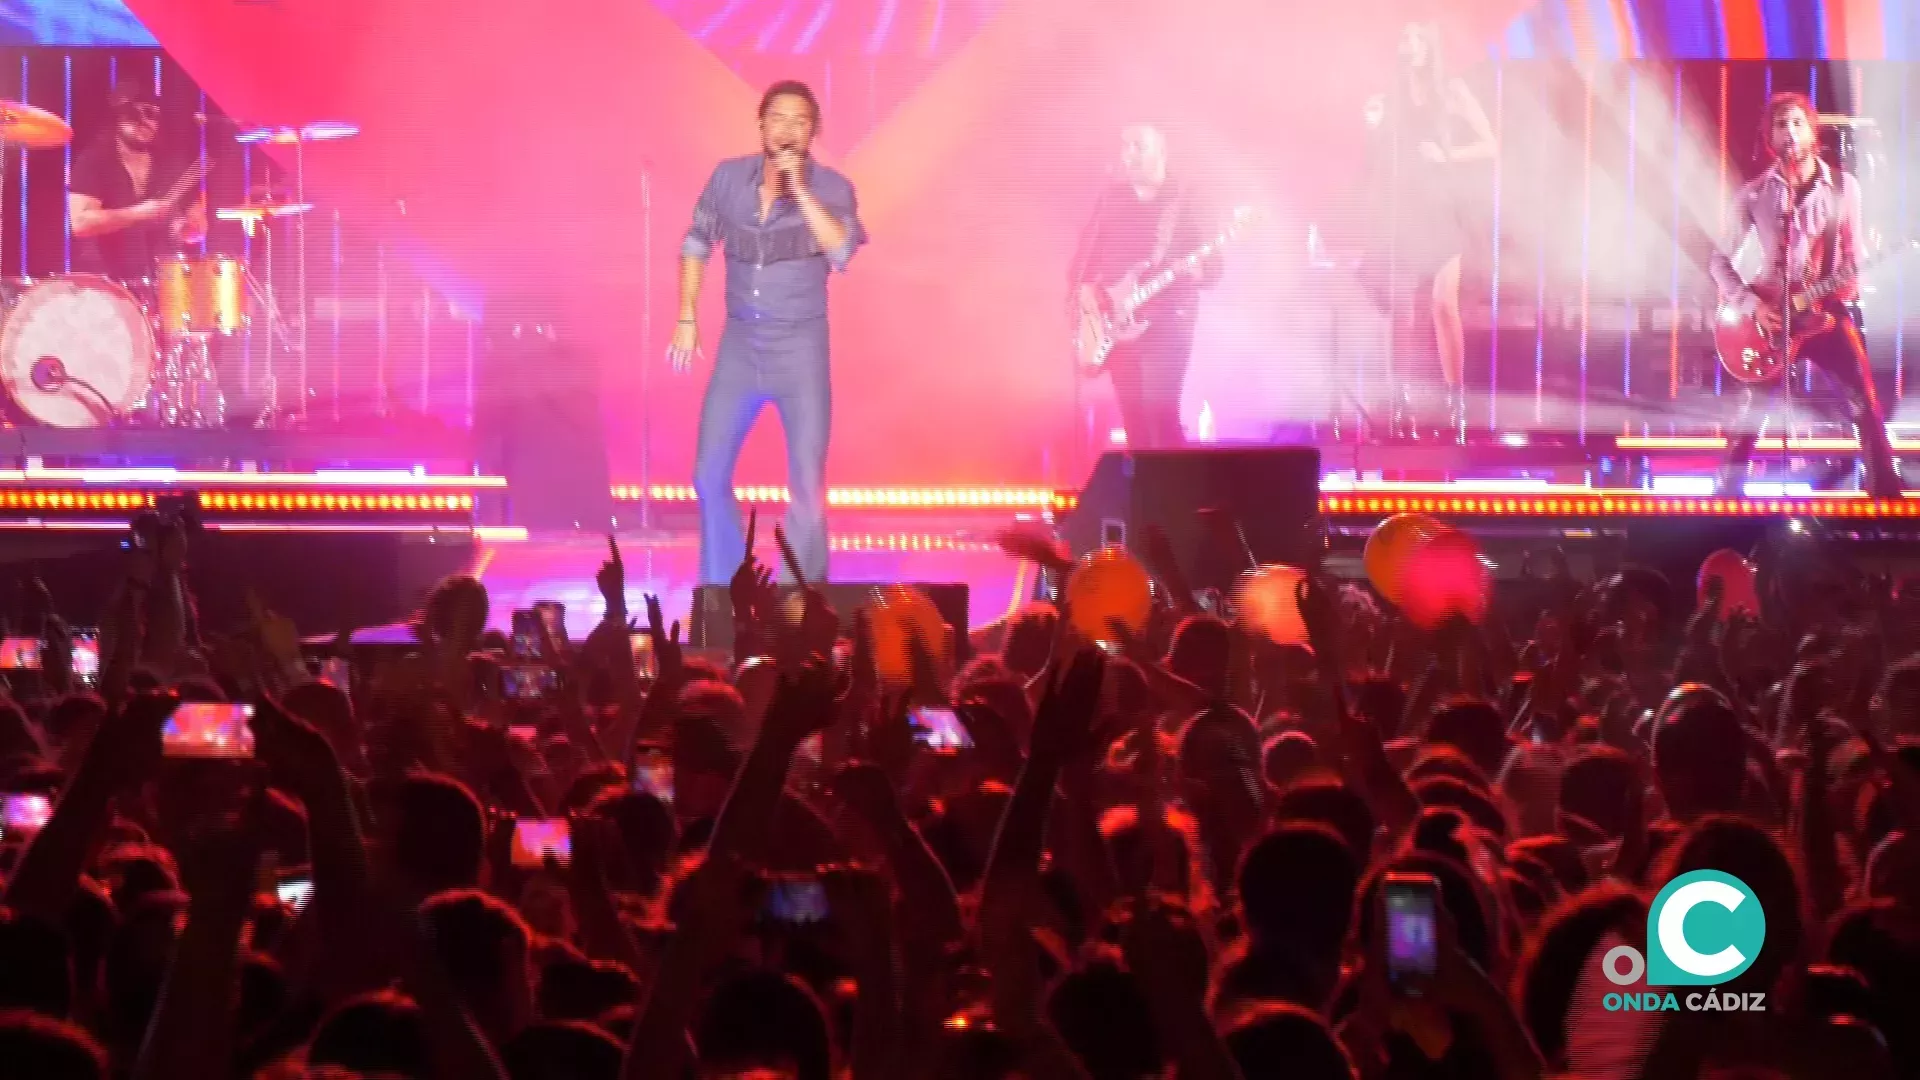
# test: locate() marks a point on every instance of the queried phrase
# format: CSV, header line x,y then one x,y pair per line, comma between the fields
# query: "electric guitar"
x,y
1107,314
1751,355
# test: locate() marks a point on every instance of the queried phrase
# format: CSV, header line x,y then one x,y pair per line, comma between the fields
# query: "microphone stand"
x,y
1788,222
646,345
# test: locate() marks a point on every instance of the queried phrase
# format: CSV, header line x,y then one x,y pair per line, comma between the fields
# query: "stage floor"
x,y
562,568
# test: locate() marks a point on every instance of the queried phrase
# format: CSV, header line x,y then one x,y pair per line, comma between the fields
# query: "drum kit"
x,y
84,351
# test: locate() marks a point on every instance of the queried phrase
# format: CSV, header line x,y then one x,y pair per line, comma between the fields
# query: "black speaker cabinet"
x,y
1218,506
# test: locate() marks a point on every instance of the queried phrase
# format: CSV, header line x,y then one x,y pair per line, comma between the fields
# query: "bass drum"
x,y
91,329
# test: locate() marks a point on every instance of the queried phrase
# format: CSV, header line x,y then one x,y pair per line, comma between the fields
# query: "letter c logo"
x,y
1703,929
1673,928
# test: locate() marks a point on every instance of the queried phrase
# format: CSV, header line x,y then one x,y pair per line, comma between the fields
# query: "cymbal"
x,y
24,125
319,131
1843,120
255,211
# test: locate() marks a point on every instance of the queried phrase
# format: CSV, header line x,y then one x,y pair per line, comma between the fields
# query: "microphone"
x,y
49,374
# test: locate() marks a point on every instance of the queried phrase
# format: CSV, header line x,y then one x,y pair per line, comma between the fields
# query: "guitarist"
x,y
1143,221
1806,216
128,203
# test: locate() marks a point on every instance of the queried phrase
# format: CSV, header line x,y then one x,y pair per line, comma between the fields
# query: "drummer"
x,y
129,202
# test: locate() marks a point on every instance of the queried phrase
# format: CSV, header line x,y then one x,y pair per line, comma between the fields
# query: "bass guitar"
x,y
1752,355
1108,315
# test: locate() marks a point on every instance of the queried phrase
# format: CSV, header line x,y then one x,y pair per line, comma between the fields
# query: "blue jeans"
x,y
784,363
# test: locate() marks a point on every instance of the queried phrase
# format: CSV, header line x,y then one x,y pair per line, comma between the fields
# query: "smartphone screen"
x,y
208,730
643,662
23,816
653,775
526,733
553,617
337,673
524,644
796,902
528,682
1413,937
19,654
86,658
536,838
295,892
939,729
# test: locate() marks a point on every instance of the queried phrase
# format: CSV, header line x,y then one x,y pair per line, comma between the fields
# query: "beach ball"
x,y
897,613
1445,576
1268,601
1109,584
1385,557
1740,591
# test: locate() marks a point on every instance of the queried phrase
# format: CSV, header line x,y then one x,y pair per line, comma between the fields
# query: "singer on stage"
x,y
785,221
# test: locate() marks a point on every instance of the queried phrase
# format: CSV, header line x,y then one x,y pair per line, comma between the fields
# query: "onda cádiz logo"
x,y
1703,929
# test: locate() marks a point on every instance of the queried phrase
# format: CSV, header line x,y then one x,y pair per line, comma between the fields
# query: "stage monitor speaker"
x,y
1196,496
712,621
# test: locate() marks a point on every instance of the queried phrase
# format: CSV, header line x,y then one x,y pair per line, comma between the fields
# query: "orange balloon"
x,y
1740,591
1268,600
897,614
1109,584
1385,557
1445,576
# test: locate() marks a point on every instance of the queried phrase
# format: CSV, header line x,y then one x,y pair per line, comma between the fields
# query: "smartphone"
x,y
553,617
337,672
1412,904
86,658
524,643
796,901
208,730
23,816
653,775
20,654
528,682
526,733
295,891
643,661
939,729
534,839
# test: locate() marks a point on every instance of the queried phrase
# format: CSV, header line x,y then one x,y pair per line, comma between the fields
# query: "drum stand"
x,y
279,333
186,391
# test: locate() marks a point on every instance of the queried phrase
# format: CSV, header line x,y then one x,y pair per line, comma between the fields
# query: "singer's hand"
x,y
793,167
684,346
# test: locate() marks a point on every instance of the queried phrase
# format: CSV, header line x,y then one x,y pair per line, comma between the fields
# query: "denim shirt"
x,y
1825,237
776,270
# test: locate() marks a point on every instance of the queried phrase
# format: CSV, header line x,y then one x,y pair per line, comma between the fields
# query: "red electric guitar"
x,y
1752,355
1107,315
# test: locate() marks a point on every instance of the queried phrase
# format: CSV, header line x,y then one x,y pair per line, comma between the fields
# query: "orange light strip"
x,y
11,499
351,478
1598,504
224,501
918,498
908,542
334,502
500,534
